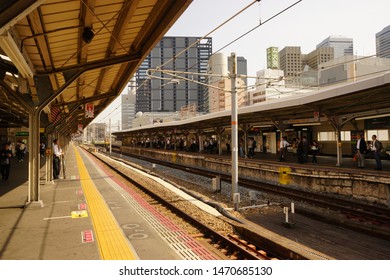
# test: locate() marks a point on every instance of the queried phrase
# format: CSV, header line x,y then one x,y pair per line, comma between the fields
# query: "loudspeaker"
x,y
87,35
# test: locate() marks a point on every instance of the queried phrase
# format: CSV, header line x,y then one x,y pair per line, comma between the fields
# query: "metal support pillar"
x,y
338,124
234,125
219,131
174,140
109,128
34,159
339,148
201,148
49,158
219,144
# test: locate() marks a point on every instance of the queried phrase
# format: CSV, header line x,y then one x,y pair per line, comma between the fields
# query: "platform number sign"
x,y
89,110
316,116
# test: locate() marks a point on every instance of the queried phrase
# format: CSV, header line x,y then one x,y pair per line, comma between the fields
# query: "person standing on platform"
x,y
57,153
361,148
42,149
306,148
241,144
300,152
377,147
283,149
5,162
314,151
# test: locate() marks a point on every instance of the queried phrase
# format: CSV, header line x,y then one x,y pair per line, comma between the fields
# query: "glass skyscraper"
x,y
167,93
383,43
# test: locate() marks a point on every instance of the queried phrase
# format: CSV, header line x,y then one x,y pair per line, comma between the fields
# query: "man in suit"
x,y
361,148
376,148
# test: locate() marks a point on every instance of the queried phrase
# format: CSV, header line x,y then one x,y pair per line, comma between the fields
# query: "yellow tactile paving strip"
x,y
111,242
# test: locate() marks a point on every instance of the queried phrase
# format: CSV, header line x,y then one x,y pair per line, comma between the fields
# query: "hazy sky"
x,y
305,25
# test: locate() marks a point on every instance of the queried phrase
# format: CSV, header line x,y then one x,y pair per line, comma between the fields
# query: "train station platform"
x,y
90,215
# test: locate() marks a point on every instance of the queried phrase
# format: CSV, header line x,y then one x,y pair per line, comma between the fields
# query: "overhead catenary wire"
x,y
202,38
236,39
233,41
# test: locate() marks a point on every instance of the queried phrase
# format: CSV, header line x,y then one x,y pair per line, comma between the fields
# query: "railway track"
x,y
232,246
369,219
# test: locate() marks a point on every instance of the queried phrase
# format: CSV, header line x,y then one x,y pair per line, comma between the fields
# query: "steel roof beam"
x,y
88,99
13,11
106,62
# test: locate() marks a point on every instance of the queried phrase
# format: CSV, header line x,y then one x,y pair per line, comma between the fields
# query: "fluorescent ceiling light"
x,y
10,48
305,124
260,126
373,117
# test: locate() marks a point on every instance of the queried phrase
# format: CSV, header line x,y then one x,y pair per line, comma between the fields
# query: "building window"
x,y
331,136
381,134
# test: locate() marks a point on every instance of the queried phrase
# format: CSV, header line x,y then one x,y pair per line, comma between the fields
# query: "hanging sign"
x,y
89,110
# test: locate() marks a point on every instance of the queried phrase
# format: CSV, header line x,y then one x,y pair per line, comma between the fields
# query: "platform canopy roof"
x,y
67,53
337,104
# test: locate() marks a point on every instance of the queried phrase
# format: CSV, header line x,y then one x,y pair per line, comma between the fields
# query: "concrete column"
x,y
33,158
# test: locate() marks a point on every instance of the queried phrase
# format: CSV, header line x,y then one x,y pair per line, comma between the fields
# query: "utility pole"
x,y
234,136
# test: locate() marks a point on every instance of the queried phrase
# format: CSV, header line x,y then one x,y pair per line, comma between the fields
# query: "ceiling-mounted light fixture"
x,y
11,49
87,35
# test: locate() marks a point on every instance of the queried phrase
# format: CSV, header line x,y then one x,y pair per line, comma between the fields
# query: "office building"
x,y
128,105
290,61
95,133
351,68
162,93
318,56
242,67
272,58
218,95
341,45
383,43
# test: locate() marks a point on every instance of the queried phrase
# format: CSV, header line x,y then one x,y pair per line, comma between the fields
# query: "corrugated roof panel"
x,y
64,32
105,19
51,18
64,50
143,11
147,3
64,61
62,38
61,24
112,8
107,2
61,7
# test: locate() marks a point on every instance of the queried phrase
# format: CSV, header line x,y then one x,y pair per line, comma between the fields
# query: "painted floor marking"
x,y
111,241
55,218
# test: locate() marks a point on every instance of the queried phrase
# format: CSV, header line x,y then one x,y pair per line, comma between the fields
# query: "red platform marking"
x,y
87,236
82,206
